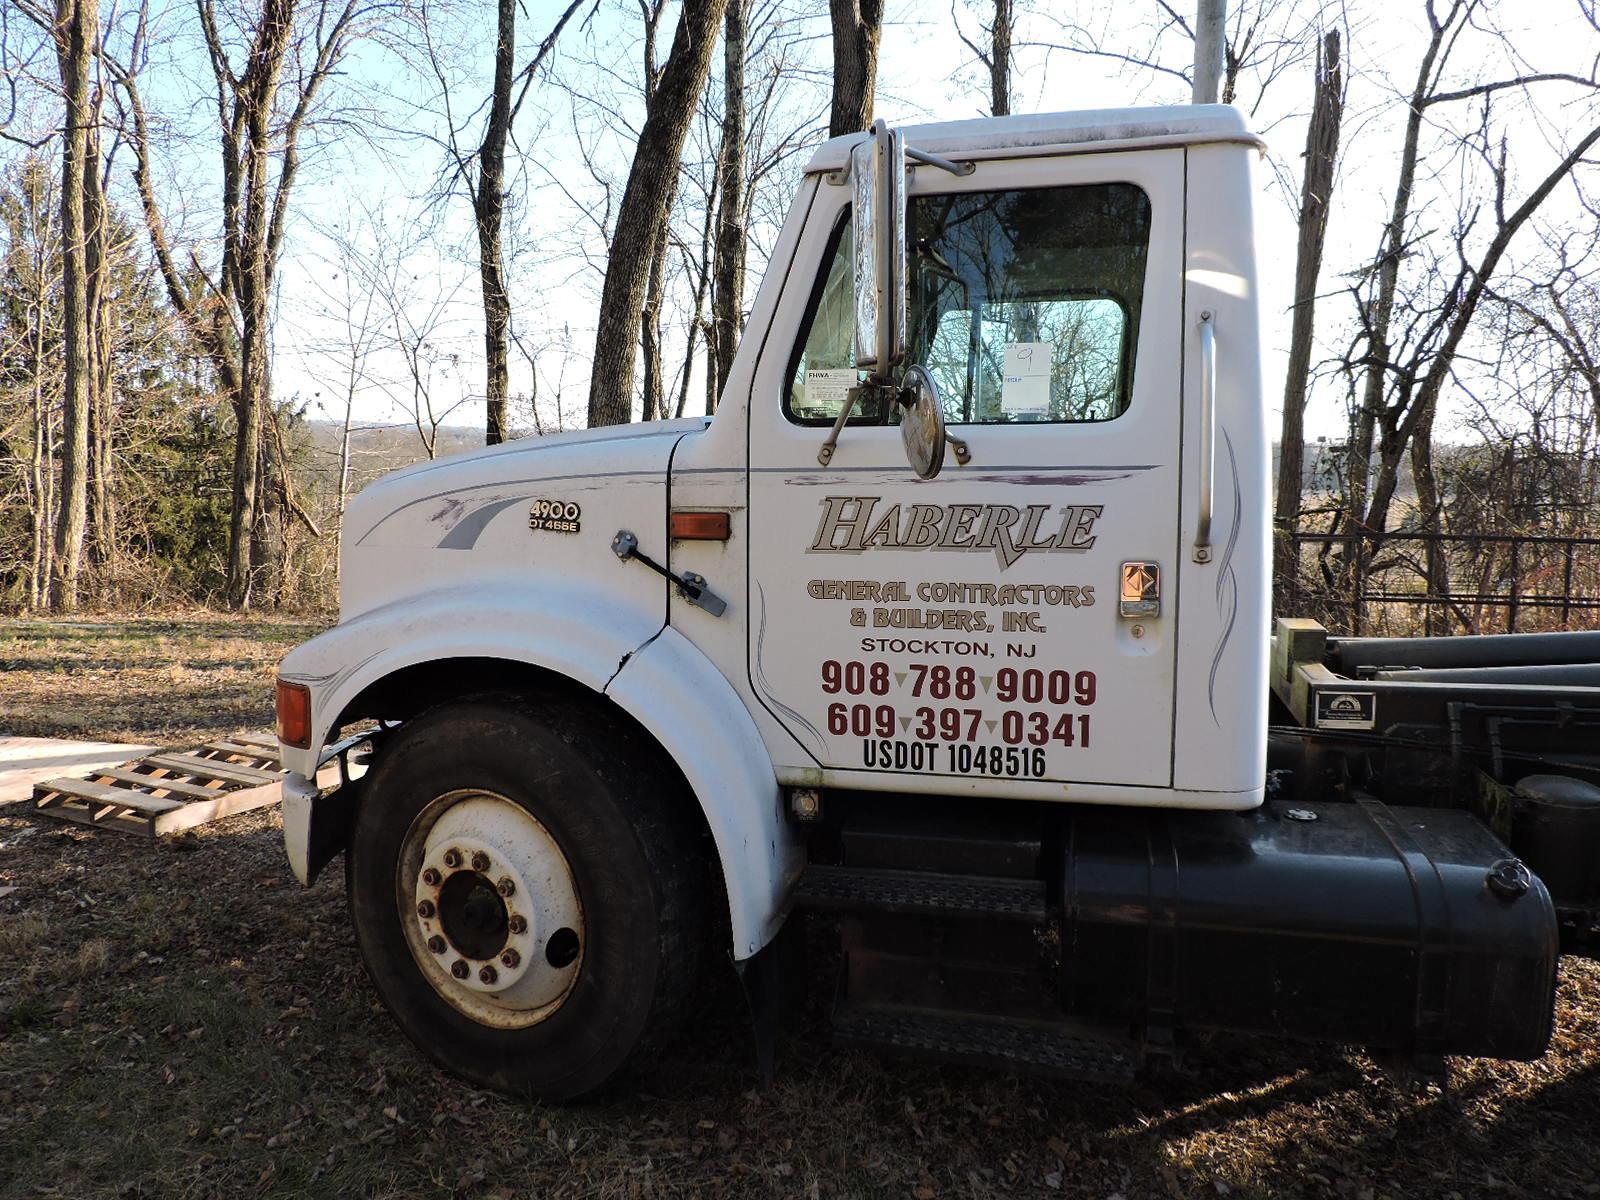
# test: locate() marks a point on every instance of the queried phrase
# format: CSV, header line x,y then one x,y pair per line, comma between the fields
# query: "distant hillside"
x,y
376,449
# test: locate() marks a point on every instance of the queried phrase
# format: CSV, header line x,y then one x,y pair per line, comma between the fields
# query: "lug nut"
x,y
507,886
487,975
518,924
459,968
510,959
452,858
436,944
425,909
480,861
431,877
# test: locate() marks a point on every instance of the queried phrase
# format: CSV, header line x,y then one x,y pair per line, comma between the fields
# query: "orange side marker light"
x,y
692,525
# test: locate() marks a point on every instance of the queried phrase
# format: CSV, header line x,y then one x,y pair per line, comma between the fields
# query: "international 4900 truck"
x,y
953,625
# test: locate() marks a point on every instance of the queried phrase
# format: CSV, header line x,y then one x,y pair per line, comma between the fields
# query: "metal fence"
x,y
1439,583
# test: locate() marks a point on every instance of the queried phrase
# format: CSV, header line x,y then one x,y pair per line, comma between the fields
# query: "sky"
x,y
371,193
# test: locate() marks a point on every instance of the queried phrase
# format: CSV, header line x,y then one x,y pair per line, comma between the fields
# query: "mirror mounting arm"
x,y
825,451
964,167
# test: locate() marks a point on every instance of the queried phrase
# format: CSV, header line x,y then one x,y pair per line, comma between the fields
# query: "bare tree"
x,y
350,304
728,293
262,110
31,299
644,210
1316,189
656,280
75,27
1403,372
857,28
481,173
405,336
995,57
1264,39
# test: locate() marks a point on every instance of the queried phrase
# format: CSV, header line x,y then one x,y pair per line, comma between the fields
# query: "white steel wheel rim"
x,y
489,908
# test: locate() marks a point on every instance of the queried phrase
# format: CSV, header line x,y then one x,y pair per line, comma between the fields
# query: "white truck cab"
x,y
977,539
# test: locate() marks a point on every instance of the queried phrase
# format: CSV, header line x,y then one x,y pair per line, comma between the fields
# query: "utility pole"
x,y
1211,21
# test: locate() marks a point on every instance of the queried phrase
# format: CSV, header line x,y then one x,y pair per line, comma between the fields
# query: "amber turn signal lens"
x,y
700,526
294,714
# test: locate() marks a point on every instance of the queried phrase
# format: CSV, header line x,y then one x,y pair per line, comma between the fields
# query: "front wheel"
x,y
527,902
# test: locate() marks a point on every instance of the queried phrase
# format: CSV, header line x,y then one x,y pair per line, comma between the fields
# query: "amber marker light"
x,y
691,525
294,714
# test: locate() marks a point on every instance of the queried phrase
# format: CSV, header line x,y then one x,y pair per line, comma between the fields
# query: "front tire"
x,y
528,903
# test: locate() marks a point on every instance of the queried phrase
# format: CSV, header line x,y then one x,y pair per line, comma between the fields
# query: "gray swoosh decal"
x,y
465,534
766,687
1227,582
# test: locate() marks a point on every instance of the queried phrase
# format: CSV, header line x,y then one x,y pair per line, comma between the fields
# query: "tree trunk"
x,y
650,330
857,25
1425,399
698,322
1391,251
257,93
727,294
1000,60
713,368
1210,50
1437,573
643,213
650,316
76,34
489,208
102,510
40,468
1322,151
344,472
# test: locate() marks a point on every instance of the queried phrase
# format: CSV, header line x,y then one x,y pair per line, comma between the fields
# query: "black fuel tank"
x,y
1404,929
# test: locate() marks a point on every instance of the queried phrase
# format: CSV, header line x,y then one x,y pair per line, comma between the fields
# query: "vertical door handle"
x,y
1208,434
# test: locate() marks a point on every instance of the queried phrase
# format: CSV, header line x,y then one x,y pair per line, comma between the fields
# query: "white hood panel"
x,y
441,524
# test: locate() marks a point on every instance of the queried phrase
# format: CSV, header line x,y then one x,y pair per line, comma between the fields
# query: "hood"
x,y
446,522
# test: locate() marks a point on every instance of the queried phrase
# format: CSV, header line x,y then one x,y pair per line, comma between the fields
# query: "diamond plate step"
x,y
856,888
1043,1047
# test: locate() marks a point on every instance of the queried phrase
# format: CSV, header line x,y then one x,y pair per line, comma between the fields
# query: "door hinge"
x,y
691,586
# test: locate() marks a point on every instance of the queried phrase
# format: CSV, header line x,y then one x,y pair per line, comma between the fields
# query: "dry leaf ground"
x,y
178,1019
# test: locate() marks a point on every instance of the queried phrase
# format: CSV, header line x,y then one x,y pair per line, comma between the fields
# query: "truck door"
x,y
1014,618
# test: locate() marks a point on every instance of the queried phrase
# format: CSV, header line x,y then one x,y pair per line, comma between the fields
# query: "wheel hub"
x,y
490,909
473,916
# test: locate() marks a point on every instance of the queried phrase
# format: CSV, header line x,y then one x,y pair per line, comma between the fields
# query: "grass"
x,y
158,680
179,1019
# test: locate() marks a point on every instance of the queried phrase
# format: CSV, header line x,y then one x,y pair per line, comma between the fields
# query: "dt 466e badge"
x,y
554,516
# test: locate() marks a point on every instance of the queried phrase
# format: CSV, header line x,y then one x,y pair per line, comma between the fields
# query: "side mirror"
x,y
878,216
878,223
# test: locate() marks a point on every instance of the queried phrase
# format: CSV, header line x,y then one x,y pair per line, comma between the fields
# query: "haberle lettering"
x,y
853,525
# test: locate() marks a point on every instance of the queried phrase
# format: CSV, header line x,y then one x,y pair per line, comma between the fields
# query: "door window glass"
x,y
1023,304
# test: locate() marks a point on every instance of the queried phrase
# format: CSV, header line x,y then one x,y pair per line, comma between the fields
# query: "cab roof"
x,y
1061,133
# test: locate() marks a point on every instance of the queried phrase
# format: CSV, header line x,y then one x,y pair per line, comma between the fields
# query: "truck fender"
x,y
582,633
619,650
680,697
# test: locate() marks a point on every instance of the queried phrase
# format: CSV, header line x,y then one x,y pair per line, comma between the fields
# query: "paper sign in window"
x,y
829,389
1025,386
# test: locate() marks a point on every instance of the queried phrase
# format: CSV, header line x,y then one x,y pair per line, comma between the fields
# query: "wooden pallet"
x,y
171,790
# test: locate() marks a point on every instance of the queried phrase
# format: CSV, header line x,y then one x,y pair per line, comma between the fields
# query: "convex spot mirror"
x,y
922,422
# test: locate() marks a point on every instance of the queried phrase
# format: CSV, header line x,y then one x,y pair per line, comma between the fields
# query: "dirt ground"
x,y
179,1019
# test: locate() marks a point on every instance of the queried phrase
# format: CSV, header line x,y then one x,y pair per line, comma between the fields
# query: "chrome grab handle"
x,y
1208,434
